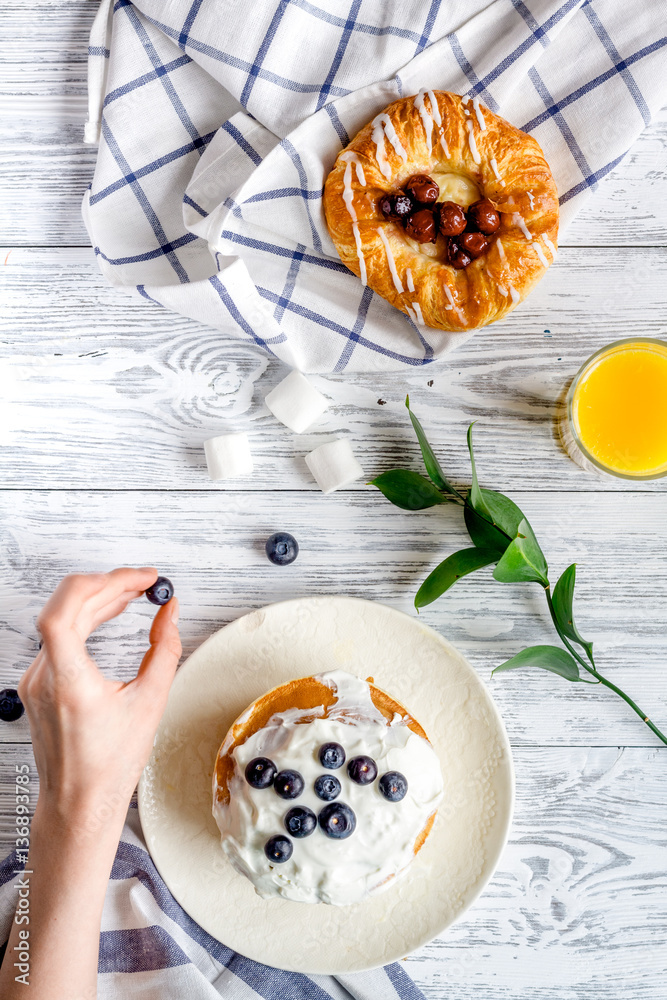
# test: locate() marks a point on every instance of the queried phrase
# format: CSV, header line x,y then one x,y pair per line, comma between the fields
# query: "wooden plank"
x,y
211,546
577,906
106,390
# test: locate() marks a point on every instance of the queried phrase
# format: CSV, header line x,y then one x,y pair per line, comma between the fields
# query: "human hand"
x,y
92,736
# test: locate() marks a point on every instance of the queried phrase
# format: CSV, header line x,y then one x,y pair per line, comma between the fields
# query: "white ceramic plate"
x,y
411,662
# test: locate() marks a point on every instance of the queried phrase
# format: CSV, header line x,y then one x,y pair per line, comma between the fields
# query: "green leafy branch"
x,y
500,534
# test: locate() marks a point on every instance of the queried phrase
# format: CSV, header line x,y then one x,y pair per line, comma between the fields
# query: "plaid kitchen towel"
x,y
150,947
218,123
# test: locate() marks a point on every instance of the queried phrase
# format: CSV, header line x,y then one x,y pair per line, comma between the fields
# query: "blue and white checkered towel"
x,y
218,123
150,947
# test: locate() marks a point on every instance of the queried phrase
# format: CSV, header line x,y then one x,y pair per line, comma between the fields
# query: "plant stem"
x,y
600,679
632,704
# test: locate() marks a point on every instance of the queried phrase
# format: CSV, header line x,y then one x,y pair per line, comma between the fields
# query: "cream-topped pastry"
x,y
324,790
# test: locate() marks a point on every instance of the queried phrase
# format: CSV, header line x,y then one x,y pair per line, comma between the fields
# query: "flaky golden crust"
x,y
512,172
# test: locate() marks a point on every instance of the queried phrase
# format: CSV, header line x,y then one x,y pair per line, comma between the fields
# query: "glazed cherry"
x,y
396,206
474,244
483,216
420,226
456,256
423,189
452,219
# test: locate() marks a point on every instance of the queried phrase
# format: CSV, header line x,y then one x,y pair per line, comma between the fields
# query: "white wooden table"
x,y
104,403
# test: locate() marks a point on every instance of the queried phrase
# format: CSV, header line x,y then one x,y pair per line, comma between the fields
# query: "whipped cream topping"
x,y
322,869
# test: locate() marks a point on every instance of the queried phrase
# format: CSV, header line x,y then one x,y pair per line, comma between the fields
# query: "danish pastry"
x,y
325,789
445,209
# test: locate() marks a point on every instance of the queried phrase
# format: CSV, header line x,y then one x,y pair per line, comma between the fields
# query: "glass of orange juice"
x,y
617,409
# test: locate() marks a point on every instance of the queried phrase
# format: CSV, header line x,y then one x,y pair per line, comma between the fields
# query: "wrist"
x,y
88,824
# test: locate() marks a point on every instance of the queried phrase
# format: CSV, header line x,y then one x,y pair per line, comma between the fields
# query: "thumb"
x,y
158,666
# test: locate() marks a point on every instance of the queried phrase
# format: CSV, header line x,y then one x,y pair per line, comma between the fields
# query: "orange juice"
x,y
617,407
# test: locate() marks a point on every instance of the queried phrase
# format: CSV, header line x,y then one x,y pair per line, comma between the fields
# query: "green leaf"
x,y
499,526
505,513
523,560
430,461
562,605
452,569
475,494
408,489
552,658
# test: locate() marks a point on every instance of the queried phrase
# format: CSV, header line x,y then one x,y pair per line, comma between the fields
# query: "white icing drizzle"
x,y
540,253
452,303
466,99
549,245
409,281
501,249
531,199
435,110
427,120
519,221
390,261
348,195
418,312
494,167
443,142
382,846
472,143
478,112
360,254
410,311
515,295
378,136
351,157
502,290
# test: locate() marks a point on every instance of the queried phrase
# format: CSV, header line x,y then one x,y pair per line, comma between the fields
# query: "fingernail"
x,y
174,610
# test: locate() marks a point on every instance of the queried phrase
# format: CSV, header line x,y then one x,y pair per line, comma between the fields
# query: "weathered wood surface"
x,y
104,403
211,546
577,907
106,390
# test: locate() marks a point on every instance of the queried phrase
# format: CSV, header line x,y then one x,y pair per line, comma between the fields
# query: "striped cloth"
x,y
218,123
150,947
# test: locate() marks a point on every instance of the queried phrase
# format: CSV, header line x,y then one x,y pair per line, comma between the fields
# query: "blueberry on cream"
x,y
327,787
260,772
278,849
288,784
363,770
331,755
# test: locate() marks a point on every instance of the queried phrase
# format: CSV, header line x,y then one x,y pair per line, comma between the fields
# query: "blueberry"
x,y
161,592
278,849
282,548
337,820
300,821
11,706
332,755
363,770
260,772
327,787
393,785
288,784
